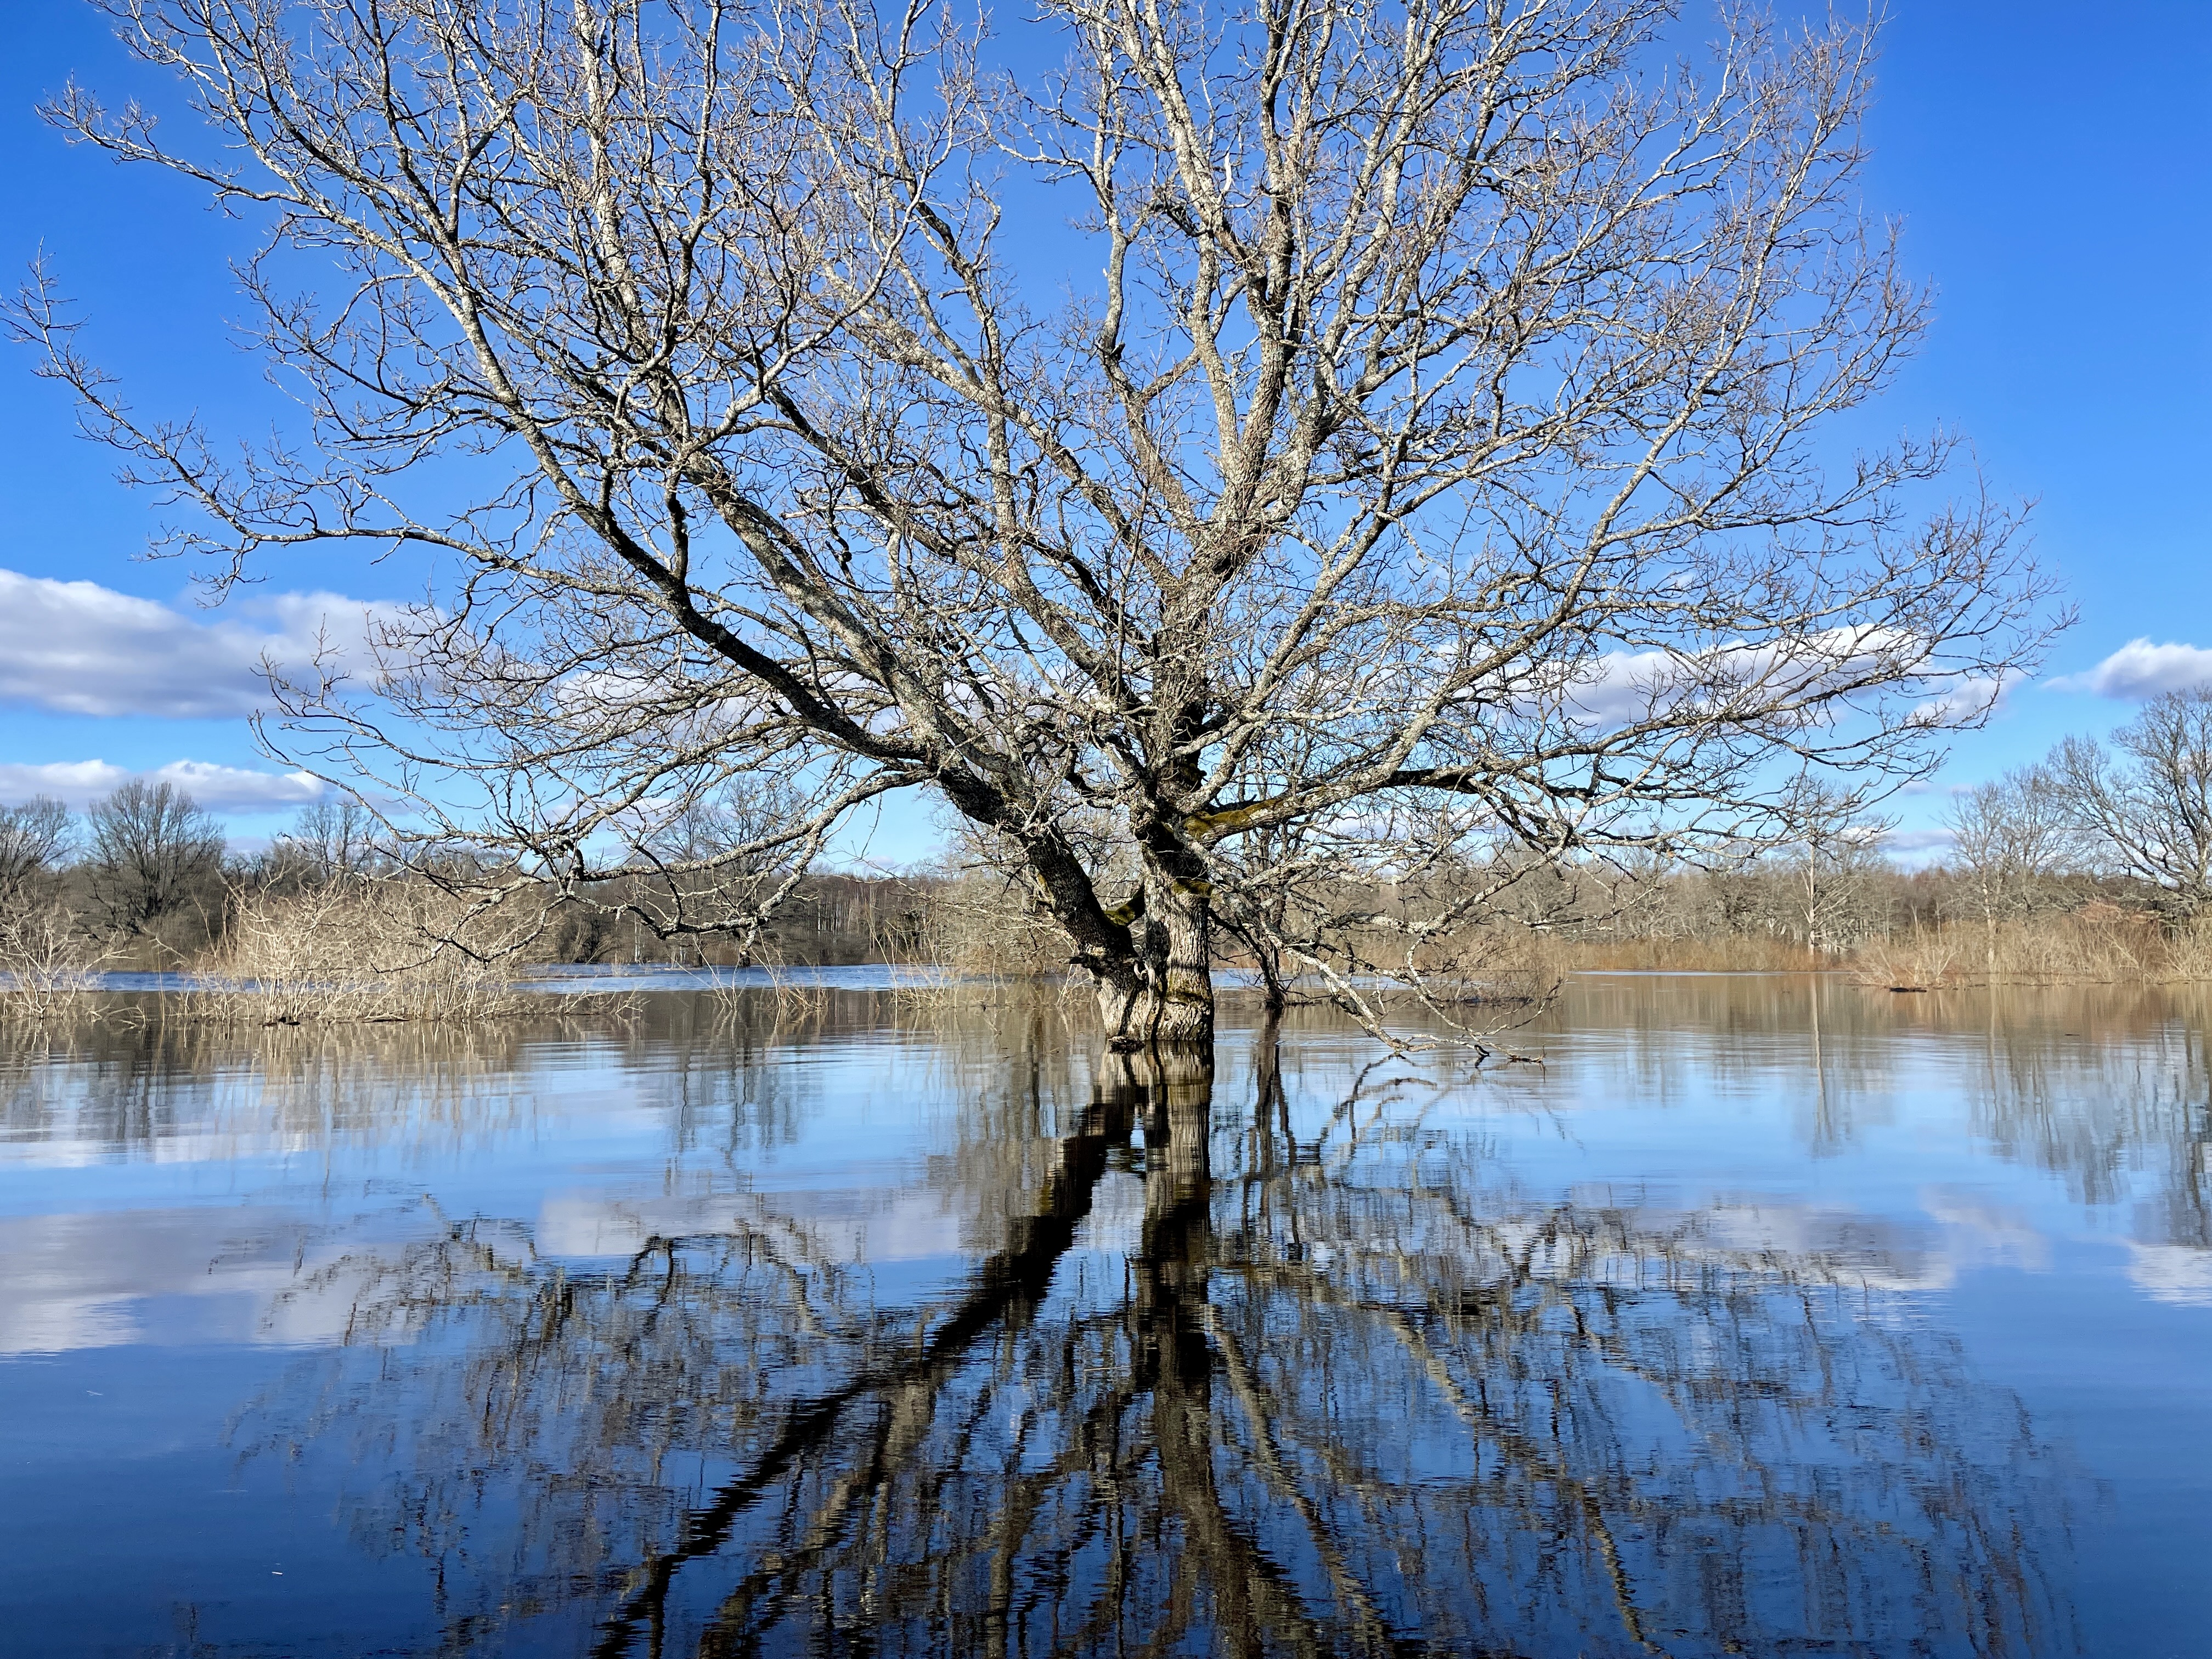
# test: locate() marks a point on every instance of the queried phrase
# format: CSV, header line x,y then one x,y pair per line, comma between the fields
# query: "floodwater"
x,y
1768,1316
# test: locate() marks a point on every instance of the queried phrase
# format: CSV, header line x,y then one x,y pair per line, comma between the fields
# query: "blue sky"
x,y
2048,162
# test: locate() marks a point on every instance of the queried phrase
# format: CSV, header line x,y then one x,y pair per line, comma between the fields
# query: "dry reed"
x,y
974,937
353,953
49,968
1922,960
2100,944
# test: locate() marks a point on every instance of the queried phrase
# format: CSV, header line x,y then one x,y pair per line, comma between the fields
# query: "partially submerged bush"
x,y
356,950
48,966
1919,961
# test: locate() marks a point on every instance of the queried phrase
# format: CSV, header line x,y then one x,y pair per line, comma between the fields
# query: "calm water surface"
x,y
1769,1316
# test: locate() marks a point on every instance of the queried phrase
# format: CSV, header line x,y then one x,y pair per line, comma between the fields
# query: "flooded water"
x,y
1768,1316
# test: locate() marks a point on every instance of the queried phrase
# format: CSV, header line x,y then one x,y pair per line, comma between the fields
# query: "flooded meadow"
x,y
1761,1315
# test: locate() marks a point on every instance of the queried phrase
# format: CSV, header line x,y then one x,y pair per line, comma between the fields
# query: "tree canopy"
x,y
1405,449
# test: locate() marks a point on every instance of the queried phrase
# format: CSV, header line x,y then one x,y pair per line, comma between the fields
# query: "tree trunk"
x,y
1163,995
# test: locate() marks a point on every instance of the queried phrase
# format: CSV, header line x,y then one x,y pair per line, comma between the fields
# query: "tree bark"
x,y
1161,996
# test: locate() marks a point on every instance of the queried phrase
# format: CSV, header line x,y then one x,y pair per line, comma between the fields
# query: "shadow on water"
x,y
1283,1360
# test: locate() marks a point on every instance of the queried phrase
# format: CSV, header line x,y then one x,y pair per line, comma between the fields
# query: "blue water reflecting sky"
x,y
1768,1310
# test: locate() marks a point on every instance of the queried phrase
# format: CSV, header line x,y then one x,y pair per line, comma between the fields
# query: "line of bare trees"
x,y
146,878
2118,832
144,865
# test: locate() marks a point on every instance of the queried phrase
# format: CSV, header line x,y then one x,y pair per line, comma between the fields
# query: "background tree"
x,y
332,840
1437,437
34,839
153,852
2149,807
2014,845
1829,895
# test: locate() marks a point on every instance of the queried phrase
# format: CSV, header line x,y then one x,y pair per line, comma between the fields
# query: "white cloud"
x,y
1917,841
1971,701
2139,670
220,788
80,648
1620,687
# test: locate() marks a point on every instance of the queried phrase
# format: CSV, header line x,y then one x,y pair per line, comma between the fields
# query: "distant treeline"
x,y
147,877
2097,862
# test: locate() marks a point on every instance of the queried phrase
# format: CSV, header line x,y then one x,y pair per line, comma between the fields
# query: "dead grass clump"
x,y
48,968
975,934
1923,960
2101,944
2096,942
372,951
792,995
2189,952
1735,953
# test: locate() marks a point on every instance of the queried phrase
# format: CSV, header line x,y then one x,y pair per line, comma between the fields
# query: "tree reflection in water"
x,y
1218,1386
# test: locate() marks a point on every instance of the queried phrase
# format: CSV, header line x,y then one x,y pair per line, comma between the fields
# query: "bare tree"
x,y
2013,843
1436,439
329,842
154,850
33,839
1828,896
2148,809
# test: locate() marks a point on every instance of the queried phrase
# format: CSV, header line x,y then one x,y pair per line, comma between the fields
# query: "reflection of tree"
x,y
2108,1087
1339,1390
2101,1085
126,1086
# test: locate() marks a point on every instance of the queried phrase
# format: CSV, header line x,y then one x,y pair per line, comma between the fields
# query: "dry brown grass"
x,y
382,951
1740,953
2099,943
48,968
982,927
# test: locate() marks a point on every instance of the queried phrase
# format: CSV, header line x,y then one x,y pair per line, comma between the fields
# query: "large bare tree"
x,y
1286,414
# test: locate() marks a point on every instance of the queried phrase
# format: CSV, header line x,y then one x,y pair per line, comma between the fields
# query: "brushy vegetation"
x,y
386,951
47,966
2097,942
2096,866
362,952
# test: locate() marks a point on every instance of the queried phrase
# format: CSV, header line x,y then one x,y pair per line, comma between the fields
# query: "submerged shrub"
x,y
48,968
354,951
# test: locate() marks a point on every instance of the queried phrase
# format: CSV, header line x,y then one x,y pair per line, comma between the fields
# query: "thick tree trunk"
x,y
1163,995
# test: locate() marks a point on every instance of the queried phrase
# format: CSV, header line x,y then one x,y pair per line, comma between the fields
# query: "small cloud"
x,y
1968,702
1917,841
80,648
219,788
2139,670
